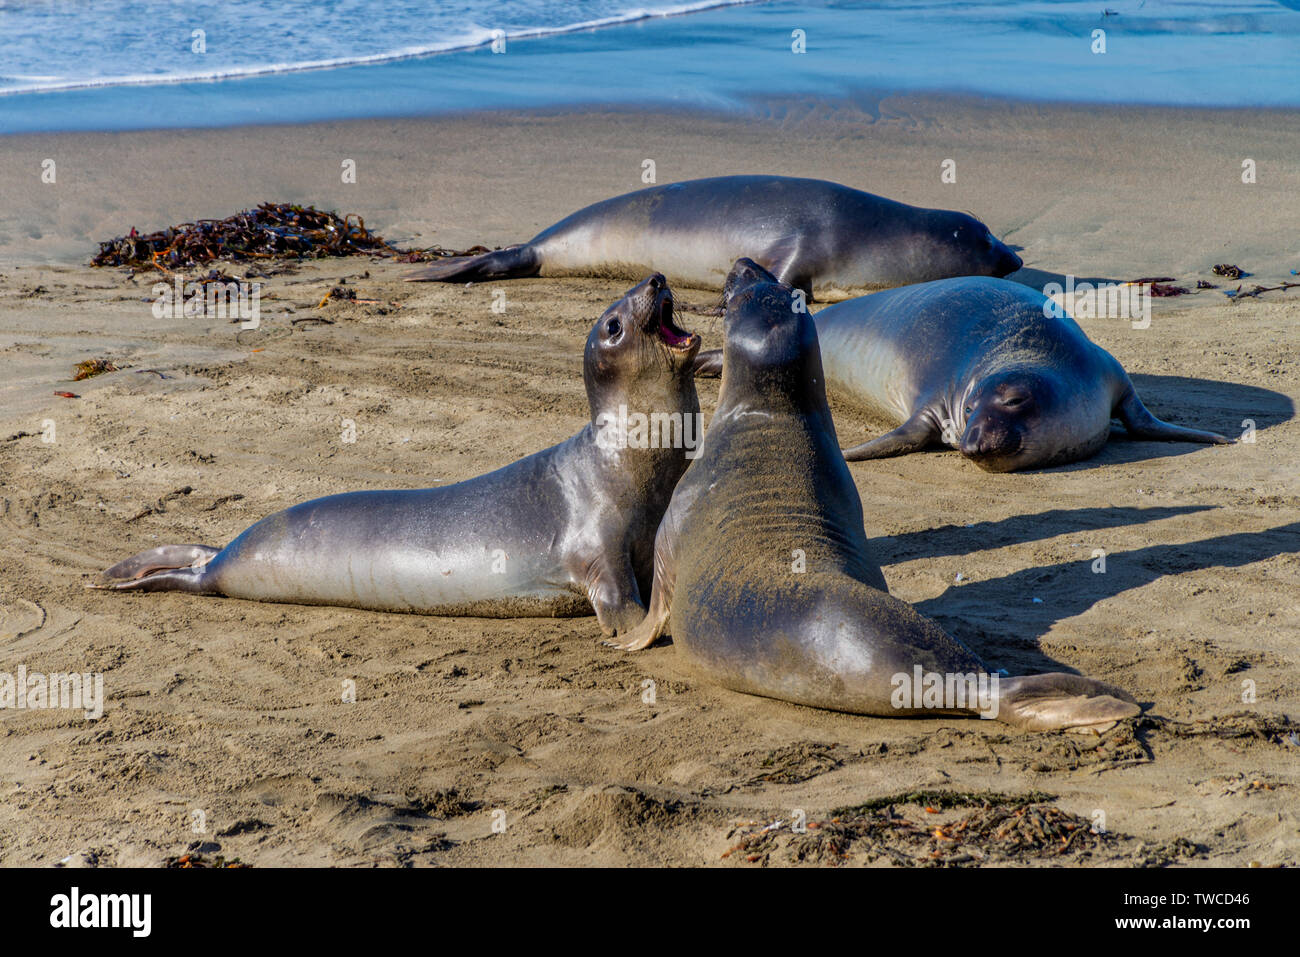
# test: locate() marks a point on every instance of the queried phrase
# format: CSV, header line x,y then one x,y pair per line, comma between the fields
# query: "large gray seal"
x,y
986,366
557,533
823,238
762,571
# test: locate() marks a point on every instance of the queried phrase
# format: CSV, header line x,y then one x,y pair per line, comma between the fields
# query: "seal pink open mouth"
x,y
673,335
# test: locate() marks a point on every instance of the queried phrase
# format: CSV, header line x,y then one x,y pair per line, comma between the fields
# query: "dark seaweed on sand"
x,y
268,231
1000,828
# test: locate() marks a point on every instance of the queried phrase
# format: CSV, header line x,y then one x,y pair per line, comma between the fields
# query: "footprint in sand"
x,y
19,617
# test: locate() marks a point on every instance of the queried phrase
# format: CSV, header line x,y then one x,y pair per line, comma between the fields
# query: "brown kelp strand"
x,y
1238,293
1159,286
431,253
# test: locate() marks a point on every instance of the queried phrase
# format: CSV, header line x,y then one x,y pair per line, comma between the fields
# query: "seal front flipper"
x,y
655,623
165,568
1056,701
708,364
513,262
912,436
613,592
1141,424
785,259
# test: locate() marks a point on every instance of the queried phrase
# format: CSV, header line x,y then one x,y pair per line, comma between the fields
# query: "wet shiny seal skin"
x,y
980,365
560,532
826,239
763,575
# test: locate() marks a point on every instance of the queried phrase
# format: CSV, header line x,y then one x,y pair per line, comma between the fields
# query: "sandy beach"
x,y
526,742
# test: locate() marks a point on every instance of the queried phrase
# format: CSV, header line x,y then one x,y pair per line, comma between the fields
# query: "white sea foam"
x,y
52,45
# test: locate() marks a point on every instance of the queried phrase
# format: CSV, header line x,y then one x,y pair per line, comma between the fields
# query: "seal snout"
x,y
744,273
1007,261
652,289
659,315
990,444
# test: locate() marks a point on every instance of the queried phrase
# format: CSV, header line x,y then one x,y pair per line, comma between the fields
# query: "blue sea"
x,y
123,64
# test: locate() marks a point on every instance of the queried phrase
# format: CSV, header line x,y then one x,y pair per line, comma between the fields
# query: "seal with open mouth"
x,y
824,238
762,569
558,533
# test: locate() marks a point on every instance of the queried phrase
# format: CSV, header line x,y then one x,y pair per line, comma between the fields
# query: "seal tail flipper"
x,y
165,568
708,364
513,262
912,436
1055,701
1141,424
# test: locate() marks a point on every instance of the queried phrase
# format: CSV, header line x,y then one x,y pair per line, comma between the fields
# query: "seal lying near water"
x,y
762,573
980,365
557,533
817,236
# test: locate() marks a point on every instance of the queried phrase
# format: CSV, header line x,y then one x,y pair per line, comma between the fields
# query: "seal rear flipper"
x,y
1055,701
165,568
708,364
912,436
162,558
513,262
1141,424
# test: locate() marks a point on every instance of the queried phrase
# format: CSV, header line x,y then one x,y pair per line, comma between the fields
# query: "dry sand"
x,y
235,709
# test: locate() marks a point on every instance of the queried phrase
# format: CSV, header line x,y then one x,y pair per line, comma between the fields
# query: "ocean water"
x,y
51,45
122,64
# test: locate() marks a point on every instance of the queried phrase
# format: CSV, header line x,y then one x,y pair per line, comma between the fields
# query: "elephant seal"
x,y
762,573
554,534
820,237
987,366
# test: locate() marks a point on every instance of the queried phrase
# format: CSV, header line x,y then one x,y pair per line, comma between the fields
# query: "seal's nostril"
x,y
971,441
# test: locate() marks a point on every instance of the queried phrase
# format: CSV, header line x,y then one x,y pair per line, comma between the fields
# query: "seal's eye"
x,y
613,328
1014,400
968,410
956,233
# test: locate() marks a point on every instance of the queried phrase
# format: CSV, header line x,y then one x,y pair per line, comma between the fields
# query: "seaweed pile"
x,y
89,368
268,231
1000,828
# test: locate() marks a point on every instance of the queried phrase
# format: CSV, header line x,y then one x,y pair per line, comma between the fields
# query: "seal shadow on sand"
x,y
1196,403
1013,622
950,540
